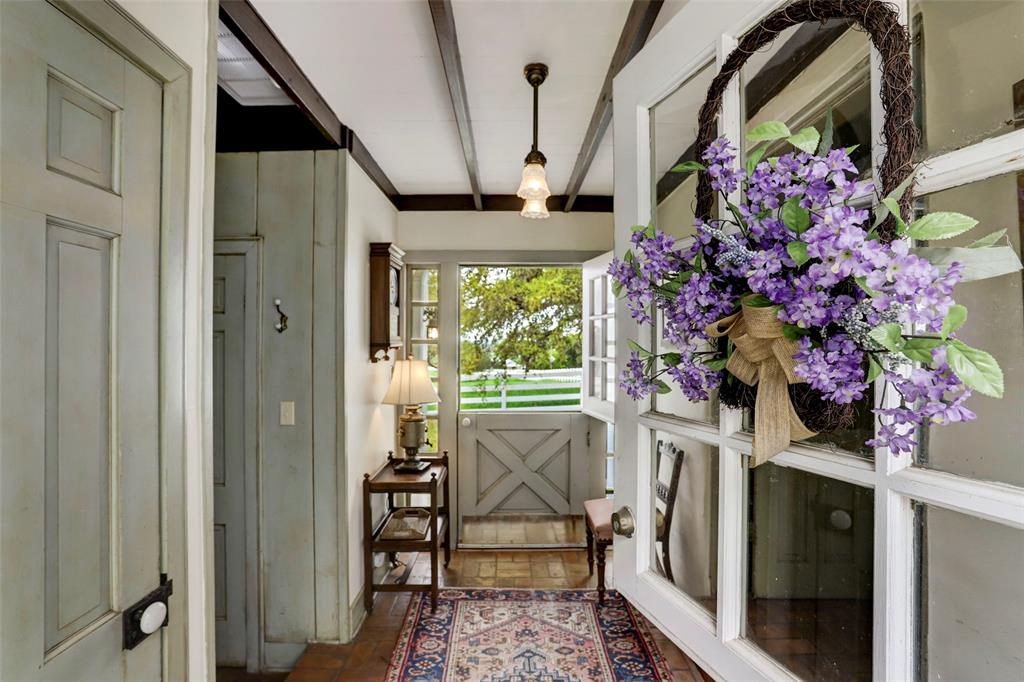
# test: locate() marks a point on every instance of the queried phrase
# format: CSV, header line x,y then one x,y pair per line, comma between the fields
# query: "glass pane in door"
x,y
989,447
673,138
968,56
807,70
970,598
810,573
685,537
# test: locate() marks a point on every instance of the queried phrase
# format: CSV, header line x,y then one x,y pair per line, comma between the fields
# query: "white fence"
x,y
537,390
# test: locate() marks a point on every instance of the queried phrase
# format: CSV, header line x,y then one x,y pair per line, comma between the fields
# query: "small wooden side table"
x,y
431,481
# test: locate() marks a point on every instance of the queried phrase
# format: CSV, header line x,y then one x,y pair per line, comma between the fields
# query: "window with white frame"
x,y
839,544
424,337
599,380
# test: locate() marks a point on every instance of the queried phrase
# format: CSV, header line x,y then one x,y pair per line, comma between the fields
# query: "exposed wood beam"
x,y
448,43
365,159
250,29
639,23
495,202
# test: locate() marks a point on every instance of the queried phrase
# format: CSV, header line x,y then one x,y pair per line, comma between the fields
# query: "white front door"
x,y
834,560
522,463
80,332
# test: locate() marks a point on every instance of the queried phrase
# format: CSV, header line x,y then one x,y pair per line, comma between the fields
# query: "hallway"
x,y
366,658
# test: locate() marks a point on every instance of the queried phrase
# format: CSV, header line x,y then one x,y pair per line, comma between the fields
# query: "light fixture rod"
x,y
536,98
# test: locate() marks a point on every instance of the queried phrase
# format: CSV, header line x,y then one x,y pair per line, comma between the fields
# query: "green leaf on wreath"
x,y
888,336
874,369
671,359
754,158
798,252
825,146
793,332
769,130
795,216
663,388
987,240
862,282
688,167
955,319
715,363
940,225
976,368
920,350
757,301
806,140
634,346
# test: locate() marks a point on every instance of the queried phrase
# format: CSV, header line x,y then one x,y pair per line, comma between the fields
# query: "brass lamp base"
x,y
412,435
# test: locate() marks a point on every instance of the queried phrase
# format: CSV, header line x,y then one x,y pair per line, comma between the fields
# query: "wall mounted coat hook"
x,y
282,322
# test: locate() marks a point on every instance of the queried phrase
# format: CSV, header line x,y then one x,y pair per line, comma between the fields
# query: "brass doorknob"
x,y
622,522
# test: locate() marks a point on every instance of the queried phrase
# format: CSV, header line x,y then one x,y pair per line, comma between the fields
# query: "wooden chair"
x,y
599,516
669,467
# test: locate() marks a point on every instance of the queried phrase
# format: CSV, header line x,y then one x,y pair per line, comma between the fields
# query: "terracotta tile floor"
x,y
525,529
366,658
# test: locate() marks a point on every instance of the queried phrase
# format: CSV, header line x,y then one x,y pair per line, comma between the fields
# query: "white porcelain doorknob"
x,y
466,421
153,617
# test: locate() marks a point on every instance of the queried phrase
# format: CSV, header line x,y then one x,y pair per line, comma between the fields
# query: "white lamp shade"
x,y
535,208
535,182
410,384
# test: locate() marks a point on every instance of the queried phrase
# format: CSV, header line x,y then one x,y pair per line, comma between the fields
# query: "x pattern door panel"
x,y
523,463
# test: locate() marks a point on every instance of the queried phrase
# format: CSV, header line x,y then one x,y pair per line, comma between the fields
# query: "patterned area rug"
x,y
497,635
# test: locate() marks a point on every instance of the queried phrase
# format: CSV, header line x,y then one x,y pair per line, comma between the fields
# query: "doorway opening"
x,y
523,442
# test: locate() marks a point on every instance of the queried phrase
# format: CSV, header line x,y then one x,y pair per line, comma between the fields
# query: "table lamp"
x,y
411,386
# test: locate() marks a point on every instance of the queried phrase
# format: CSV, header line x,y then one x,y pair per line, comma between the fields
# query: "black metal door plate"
x,y
131,619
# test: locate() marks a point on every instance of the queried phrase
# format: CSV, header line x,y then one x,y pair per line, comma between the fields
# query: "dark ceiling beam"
x,y
495,202
448,43
635,31
250,29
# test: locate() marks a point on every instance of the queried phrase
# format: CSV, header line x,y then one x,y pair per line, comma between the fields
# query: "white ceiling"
x,y
376,62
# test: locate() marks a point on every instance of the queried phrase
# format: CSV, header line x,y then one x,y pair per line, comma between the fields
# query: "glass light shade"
x,y
410,384
535,208
535,182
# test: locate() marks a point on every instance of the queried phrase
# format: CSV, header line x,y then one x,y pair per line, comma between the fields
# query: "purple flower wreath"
x,y
849,298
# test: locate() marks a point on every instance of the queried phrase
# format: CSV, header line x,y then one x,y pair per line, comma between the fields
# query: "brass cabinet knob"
x,y
622,522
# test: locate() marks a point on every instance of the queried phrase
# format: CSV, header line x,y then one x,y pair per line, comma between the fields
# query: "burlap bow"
x,y
763,356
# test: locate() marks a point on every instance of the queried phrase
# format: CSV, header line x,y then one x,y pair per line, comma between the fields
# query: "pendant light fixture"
x,y
534,187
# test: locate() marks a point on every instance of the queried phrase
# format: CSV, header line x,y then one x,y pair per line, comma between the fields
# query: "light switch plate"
x,y
287,413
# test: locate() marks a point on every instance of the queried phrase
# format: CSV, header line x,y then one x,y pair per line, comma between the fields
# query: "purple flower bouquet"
x,y
798,291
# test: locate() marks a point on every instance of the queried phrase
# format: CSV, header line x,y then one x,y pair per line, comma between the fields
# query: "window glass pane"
x,y
968,56
424,322
609,296
685,539
424,284
521,337
990,446
596,337
970,597
596,379
808,69
809,597
428,352
673,137
609,338
609,382
597,292
677,404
